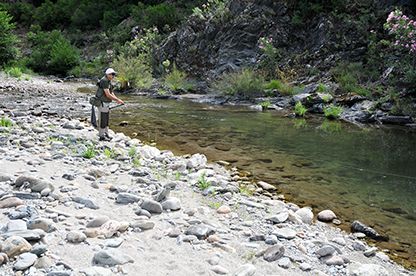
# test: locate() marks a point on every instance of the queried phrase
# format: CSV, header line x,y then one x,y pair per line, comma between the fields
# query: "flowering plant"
x,y
404,30
270,58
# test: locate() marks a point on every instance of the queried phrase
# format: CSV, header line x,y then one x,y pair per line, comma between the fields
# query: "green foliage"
x,y
89,68
177,80
14,72
269,61
132,152
136,162
6,122
89,153
133,72
212,9
349,76
21,11
246,84
214,205
300,110
109,153
245,190
51,52
203,183
8,50
322,88
332,111
161,15
265,104
282,87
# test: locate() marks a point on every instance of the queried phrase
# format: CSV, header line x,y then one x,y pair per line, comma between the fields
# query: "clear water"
x,y
366,174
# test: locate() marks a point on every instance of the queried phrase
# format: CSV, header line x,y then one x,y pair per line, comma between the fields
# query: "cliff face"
x,y
209,47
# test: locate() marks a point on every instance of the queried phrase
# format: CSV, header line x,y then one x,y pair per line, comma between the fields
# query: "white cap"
x,y
110,71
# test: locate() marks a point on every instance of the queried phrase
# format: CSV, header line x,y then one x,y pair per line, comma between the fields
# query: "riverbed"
x,y
366,174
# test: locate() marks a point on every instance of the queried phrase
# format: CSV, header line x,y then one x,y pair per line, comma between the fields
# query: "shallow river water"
x,y
362,174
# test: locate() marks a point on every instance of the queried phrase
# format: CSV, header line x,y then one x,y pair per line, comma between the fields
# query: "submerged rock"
x,y
360,227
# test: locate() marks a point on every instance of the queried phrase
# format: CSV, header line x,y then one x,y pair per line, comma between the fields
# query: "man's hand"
x,y
120,101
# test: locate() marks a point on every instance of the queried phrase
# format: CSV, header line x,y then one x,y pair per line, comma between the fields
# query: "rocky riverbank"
x,y
74,206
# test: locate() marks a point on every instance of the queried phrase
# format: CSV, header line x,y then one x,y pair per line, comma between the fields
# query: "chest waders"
x,y
104,118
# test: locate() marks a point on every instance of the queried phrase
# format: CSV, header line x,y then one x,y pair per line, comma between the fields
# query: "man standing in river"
x,y
106,95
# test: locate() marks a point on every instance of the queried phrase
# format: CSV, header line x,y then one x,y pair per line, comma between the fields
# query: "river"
x,y
366,174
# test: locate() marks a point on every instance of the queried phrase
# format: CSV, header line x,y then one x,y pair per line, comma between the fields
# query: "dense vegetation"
x,y
83,37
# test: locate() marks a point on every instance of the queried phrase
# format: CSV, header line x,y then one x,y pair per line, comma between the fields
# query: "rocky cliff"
x,y
207,47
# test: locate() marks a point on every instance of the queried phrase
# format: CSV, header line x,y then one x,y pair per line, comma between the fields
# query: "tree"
x,y
8,40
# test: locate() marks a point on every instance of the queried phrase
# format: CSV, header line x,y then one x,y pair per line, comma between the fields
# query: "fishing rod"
x,y
112,107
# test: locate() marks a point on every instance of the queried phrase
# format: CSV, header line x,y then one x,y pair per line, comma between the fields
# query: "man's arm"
x,y
111,96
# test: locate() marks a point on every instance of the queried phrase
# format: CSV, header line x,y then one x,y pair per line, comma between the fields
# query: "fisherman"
x,y
105,95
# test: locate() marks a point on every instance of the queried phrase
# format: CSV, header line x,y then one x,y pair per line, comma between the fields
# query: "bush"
x,y
21,11
349,76
89,153
8,40
246,84
177,80
52,53
133,72
6,122
332,111
89,68
160,15
282,87
51,15
300,110
14,72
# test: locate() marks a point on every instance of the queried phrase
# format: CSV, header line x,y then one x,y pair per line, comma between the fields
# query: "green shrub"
x,y
322,88
203,183
133,72
132,152
14,72
246,84
265,105
300,110
332,111
21,11
160,15
52,15
51,52
177,80
6,122
349,76
89,153
88,68
282,87
8,49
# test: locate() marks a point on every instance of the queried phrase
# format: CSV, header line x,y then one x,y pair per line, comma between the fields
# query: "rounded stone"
x,y
326,216
76,237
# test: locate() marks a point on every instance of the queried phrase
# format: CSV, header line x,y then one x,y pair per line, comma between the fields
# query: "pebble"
x,y
284,262
271,239
219,270
46,225
325,250
174,232
172,203
24,261
86,202
127,198
274,253
14,246
266,186
279,218
114,242
75,237
334,260
285,233
152,206
201,231
111,257
43,262
305,215
3,258
224,209
16,225
143,224
326,216
358,269
39,249
245,270
359,246
370,252
97,222
10,202
305,267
